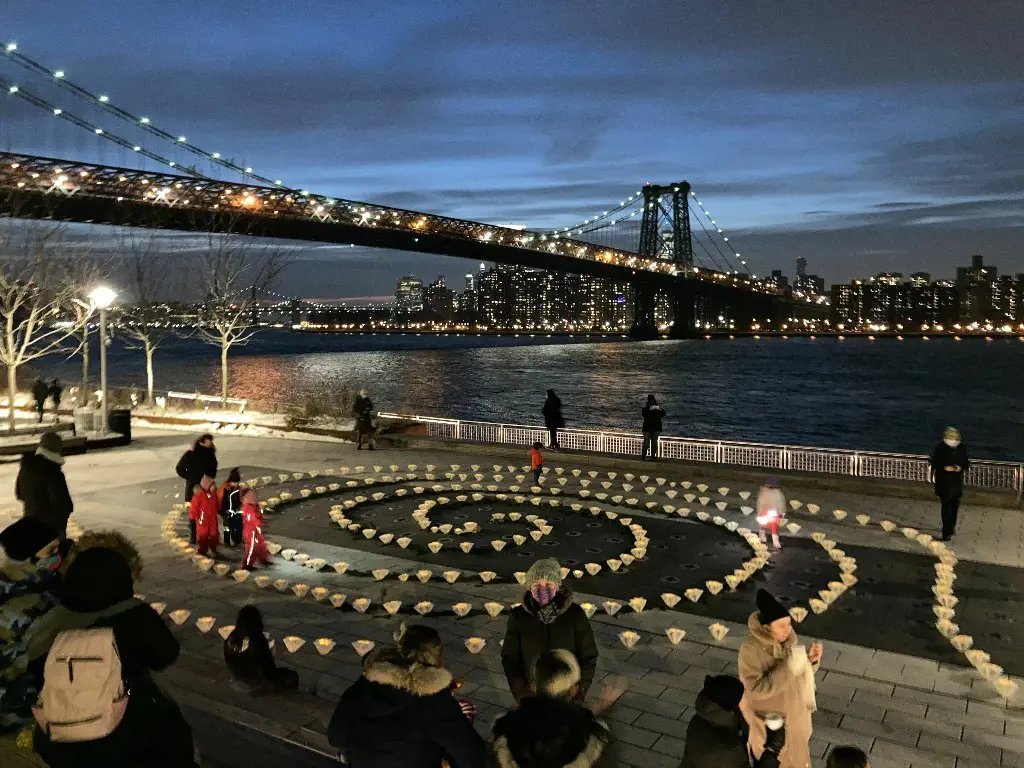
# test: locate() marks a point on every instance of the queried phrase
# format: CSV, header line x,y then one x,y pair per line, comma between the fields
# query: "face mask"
x,y
951,442
543,593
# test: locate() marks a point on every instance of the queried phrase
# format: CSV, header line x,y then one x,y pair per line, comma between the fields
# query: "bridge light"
x,y
137,148
99,131
215,155
13,89
144,120
104,99
248,170
181,139
59,74
12,47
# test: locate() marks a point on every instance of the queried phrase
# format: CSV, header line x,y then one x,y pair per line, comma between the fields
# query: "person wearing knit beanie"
x,y
768,608
544,580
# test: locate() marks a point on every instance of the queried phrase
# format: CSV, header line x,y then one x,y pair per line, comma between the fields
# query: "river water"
x,y
884,394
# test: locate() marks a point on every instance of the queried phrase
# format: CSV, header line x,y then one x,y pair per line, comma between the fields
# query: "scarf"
x,y
548,614
801,668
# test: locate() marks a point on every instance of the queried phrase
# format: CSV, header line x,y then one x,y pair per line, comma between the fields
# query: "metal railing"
x,y
989,475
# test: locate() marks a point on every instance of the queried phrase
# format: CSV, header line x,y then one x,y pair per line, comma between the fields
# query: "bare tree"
x,y
232,273
151,280
37,293
85,273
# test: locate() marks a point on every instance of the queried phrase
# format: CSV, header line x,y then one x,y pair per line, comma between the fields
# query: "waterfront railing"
x,y
983,474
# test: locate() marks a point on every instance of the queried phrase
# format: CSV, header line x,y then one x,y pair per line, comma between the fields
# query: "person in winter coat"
x,y
771,511
56,392
362,411
29,562
204,511
553,420
778,675
717,734
196,463
652,414
253,544
402,712
230,497
949,463
550,729
250,659
547,619
39,393
99,592
41,485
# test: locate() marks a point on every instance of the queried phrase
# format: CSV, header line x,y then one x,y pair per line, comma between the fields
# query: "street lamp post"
x,y
102,297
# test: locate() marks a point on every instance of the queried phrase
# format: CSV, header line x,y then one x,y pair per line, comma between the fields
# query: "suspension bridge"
x,y
98,163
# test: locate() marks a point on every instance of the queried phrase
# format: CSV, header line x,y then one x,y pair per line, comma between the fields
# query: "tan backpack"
x,y
83,696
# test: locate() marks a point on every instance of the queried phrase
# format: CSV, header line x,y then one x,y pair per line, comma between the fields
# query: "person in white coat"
x,y
771,511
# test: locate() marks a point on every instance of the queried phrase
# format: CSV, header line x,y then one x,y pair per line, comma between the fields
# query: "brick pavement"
x,y
909,712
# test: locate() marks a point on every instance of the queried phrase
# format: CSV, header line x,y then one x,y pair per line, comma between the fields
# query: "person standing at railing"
x,y
553,419
949,463
652,414
362,411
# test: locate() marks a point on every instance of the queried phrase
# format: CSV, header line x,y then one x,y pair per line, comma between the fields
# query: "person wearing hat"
x,y
778,675
717,734
41,485
771,511
949,463
547,619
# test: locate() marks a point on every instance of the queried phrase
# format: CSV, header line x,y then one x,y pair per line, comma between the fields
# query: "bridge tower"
x,y
665,234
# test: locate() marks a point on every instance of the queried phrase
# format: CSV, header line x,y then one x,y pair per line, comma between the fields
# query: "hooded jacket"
x,y
716,737
772,686
527,637
403,716
42,488
546,732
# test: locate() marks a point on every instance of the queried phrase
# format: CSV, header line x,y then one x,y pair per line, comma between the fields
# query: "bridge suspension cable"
x,y
725,237
588,224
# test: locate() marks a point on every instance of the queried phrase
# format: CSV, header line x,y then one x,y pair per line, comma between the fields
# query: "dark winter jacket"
x,y
401,716
552,412
527,637
362,410
153,731
949,484
249,659
716,737
195,464
548,733
653,414
44,491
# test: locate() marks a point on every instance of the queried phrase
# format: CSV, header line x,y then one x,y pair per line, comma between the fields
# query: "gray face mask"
x,y
951,442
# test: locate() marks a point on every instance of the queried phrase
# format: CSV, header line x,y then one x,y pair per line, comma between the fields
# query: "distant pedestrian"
x,y
652,414
547,619
42,487
40,391
250,659
778,675
536,462
230,496
196,463
204,511
254,546
847,757
553,419
362,411
771,511
949,463
56,391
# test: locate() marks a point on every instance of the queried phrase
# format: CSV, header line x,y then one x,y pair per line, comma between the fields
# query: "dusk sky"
x,y
864,136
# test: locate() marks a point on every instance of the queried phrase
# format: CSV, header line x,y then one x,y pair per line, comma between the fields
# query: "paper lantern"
x,y
848,579
392,606
281,585
300,590
520,576
910,532
718,631
693,594
671,494
947,628
519,540
839,514
487,576
638,604
240,575
493,609
703,516
225,630
361,604
221,569
379,574
732,580
180,616
423,608
977,657
340,567
320,593
424,575
263,582
714,587
818,606
799,613
451,576
316,563
592,568
462,609
614,565
947,601
435,546
675,635
293,643
536,535
611,607
589,609
704,500
498,545
1006,687
475,644
747,511
628,638
403,577
386,538
626,558
363,647
205,624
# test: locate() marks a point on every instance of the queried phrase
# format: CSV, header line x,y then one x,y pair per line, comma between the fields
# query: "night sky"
x,y
864,136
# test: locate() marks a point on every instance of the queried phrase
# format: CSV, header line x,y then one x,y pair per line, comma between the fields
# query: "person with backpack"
x,y
254,545
250,659
230,495
109,712
196,463
204,511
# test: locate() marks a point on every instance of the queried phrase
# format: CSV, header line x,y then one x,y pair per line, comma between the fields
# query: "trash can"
x,y
85,421
119,421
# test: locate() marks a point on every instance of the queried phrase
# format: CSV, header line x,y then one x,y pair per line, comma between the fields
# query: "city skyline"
x,y
881,155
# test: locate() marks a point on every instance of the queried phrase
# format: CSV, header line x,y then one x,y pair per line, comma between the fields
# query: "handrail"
x,y
986,474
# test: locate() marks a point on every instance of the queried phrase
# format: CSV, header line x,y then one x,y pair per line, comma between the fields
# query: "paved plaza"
x,y
890,682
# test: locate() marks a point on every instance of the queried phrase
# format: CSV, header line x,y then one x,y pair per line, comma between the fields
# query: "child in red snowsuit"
x,y
205,513
253,543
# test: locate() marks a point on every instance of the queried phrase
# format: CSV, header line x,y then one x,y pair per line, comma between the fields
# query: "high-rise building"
x,y
801,266
439,301
409,295
778,279
975,285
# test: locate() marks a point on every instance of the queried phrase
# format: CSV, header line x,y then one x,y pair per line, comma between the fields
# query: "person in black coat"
x,y
553,420
99,592
362,412
716,736
196,463
250,659
949,463
56,391
652,414
42,487
39,393
402,712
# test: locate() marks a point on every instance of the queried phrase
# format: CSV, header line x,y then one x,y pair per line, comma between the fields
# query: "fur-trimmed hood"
x,y
389,669
548,732
110,539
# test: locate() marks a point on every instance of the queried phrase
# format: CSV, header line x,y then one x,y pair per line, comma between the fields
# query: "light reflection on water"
x,y
881,395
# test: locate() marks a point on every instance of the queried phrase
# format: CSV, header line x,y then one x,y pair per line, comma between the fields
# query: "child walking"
x,y
205,513
230,495
771,511
252,532
536,462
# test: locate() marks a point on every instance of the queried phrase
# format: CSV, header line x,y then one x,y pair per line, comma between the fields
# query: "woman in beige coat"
x,y
778,675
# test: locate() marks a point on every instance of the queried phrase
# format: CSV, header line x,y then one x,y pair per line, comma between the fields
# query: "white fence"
x,y
990,475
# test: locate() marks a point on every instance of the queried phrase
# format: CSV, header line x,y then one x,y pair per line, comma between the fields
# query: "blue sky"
x,y
865,137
